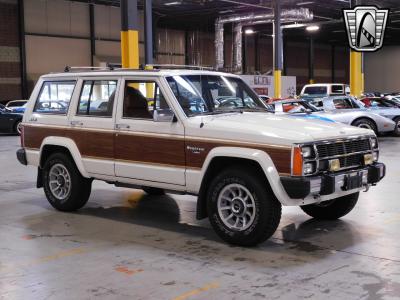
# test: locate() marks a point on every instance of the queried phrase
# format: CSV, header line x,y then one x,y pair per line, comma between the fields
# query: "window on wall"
x,y
97,98
54,97
141,98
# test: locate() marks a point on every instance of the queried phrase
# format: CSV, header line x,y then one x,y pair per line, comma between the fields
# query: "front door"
x,y
147,148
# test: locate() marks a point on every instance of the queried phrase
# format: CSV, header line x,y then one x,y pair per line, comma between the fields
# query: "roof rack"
x,y
69,68
150,67
174,66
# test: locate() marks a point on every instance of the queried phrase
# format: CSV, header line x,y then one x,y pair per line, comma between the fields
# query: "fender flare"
x,y
70,145
258,156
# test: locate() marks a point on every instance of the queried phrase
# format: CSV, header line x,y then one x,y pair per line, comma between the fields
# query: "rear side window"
x,y
97,98
54,97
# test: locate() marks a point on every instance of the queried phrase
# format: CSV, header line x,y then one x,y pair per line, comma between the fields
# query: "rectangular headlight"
x,y
307,151
308,168
374,143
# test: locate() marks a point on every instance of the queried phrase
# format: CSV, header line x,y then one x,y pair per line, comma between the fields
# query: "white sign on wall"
x,y
264,85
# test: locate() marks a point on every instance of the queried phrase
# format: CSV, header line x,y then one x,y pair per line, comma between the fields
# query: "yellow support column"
x,y
356,75
277,84
129,34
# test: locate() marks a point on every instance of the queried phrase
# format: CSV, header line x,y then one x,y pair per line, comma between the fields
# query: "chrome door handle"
x,y
76,123
122,126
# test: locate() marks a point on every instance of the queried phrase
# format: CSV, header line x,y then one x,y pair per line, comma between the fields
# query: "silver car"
x,y
351,104
359,118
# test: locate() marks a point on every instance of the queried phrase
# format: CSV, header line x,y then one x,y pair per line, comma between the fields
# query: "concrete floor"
x,y
125,244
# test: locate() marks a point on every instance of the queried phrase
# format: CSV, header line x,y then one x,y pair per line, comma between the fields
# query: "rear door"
x,y
91,124
145,148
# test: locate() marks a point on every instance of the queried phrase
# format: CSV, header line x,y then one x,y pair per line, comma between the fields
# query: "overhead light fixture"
x,y
304,3
312,28
172,3
249,31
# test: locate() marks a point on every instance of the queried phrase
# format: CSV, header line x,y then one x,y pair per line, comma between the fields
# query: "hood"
x,y
277,129
312,116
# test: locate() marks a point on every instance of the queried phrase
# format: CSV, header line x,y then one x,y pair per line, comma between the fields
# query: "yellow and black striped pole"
x,y
129,34
278,50
356,74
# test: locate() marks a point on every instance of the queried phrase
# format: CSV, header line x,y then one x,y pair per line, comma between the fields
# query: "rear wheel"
x,y
332,209
396,131
65,188
365,123
241,208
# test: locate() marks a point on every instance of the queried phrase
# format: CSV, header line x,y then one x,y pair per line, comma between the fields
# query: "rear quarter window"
x,y
315,90
54,97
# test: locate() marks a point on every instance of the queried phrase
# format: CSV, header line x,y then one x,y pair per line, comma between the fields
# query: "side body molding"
x,y
72,148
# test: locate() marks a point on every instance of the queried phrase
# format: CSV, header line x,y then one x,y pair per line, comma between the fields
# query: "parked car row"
x,y
332,102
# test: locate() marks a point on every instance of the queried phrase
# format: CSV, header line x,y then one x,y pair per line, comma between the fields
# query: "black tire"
x,y
366,123
17,128
80,187
332,209
153,191
396,131
267,211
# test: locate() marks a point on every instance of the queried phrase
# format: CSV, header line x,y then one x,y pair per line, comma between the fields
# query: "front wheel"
x,y
241,208
332,209
396,131
365,123
65,188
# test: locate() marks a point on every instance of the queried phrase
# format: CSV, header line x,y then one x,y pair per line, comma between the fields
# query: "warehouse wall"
x,y
10,74
58,34
382,70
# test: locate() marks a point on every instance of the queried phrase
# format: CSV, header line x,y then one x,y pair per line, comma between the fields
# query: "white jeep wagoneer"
x,y
196,132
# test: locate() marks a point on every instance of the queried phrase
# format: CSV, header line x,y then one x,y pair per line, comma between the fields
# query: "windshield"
x,y
315,90
212,94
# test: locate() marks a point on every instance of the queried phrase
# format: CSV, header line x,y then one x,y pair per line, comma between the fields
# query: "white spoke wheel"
x,y
59,182
236,207
65,188
241,207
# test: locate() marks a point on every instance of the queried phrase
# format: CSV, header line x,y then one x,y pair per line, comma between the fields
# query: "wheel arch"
x,y
365,118
222,157
61,144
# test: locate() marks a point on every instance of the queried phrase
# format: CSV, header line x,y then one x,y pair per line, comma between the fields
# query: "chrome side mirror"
x,y
163,115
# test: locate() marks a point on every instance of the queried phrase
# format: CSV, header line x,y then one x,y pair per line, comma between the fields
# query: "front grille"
x,y
349,152
343,148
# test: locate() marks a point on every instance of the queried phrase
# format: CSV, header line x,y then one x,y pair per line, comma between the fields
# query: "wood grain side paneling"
x,y
150,149
34,135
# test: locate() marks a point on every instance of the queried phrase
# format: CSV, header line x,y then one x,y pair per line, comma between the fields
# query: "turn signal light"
x,y
297,162
334,165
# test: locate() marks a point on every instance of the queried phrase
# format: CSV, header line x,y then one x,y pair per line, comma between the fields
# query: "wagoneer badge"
x,y
194,149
